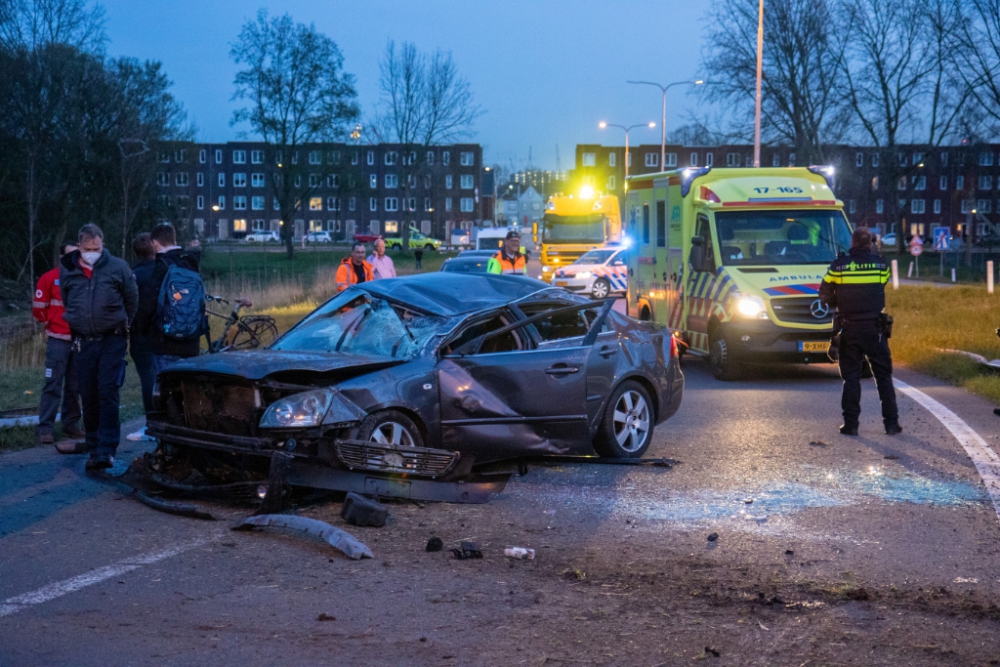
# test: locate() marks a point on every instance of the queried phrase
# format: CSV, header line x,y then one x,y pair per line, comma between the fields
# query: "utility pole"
x,y
760,69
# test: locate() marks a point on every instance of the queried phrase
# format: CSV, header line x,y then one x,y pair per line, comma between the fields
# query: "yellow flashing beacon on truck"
x,y
732,259
575,224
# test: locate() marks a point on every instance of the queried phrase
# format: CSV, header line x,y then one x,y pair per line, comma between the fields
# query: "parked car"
x,y
461,264
431,376
367,239
991,240
318,237
262,237
417,240
889,241
478,253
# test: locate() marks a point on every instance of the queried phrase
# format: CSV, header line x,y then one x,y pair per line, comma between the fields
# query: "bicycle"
x,y
249,332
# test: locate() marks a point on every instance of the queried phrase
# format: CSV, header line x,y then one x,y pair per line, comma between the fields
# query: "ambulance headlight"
x,y
583,275
752,306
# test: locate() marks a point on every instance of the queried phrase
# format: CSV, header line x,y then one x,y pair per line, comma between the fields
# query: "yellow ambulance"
x,y
732,259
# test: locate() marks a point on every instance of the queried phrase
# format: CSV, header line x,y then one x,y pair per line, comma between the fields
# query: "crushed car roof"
x,y
443,293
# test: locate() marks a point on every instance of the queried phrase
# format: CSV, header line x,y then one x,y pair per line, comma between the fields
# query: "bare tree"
x,y
297,93
978,54
424,102
801,89
30,24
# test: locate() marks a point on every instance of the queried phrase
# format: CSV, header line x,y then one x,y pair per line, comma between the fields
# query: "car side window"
x,y
509,341
564,325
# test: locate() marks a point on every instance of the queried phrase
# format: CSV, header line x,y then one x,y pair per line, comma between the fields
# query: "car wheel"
x,y
601,289
429,247
720,360
627,427
390,427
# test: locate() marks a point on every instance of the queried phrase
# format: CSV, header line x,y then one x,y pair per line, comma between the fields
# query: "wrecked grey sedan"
x,y
428,377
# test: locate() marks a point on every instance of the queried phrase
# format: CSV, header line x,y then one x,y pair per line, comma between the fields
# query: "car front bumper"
x,y
585,286
752,341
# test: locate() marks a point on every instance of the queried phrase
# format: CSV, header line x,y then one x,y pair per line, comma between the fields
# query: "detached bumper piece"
x,y
332,535
388,458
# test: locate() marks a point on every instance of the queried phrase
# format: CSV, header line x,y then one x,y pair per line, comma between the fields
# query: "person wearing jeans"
x,y
140,347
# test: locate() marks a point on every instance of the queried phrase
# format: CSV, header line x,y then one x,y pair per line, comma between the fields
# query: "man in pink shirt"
x,y
382,265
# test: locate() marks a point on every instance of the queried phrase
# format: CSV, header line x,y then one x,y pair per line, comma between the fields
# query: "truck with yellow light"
x,y
575,224
732,260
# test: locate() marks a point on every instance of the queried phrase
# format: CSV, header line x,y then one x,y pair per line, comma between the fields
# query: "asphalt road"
x,y
830,551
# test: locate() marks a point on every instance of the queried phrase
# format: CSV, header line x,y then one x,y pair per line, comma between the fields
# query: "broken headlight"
x,y
305,409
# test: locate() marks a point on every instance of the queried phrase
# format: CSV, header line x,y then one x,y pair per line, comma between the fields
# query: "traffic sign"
x,y
916,249
941,238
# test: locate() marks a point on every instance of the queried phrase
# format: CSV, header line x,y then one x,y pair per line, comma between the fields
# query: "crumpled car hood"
x,y
259,365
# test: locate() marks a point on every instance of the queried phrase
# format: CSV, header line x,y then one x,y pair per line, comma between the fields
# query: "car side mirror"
x,y
618,262
697,254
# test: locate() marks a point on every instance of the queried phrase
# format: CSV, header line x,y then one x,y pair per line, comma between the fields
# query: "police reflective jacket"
x,y
346,275
502,263
855,285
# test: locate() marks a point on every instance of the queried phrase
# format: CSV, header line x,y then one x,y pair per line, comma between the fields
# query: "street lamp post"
x,y
663,123
604,125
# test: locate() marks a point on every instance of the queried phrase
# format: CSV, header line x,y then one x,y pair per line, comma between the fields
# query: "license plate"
x,y
813,346
561,283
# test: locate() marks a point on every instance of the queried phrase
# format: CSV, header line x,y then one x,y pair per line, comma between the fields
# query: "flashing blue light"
x,y
827,172
626,241
688,176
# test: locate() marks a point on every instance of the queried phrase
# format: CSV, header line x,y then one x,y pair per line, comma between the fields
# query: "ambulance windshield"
x,y
754,238
573,228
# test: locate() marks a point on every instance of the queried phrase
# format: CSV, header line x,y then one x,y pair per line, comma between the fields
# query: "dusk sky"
x,y
545,72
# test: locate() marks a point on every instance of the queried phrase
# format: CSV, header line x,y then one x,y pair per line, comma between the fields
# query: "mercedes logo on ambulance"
x,y
819,309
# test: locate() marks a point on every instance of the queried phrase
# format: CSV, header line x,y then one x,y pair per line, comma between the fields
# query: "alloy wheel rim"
x,y
392,433
631,421
600,290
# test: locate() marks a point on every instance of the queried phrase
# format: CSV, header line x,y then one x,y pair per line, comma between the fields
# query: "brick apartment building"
x,y
226,191
949,186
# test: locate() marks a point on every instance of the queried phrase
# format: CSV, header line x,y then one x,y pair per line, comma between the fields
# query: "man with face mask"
x,y
101,298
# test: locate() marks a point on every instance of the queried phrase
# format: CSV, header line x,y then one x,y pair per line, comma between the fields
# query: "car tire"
x,y
629,408
429,247
388,426
601,289
720,360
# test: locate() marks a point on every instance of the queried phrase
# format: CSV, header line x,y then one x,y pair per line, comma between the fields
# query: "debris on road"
x,y
435,544
467,550
891,457
966,580
713,537
326,617
520,553
748,501
337,538
709,652
789,552
361,511
818,443
180,509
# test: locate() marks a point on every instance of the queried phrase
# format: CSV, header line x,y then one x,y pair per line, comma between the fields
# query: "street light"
x,y
603,125
663,124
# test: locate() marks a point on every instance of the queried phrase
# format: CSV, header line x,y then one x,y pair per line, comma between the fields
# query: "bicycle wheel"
x,y
254,332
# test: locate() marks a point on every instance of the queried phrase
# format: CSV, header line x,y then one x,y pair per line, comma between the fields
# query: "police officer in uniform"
x,y
509,260
855,285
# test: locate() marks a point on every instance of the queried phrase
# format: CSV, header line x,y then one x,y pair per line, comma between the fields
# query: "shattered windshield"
x,y
362,325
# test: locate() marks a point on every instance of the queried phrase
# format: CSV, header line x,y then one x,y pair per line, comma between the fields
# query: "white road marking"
x,y
983,457
60,588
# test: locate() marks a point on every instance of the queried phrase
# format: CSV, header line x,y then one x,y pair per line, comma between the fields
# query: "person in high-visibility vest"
x,y
509,260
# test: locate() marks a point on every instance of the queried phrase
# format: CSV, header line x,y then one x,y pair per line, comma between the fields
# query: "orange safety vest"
x,y
346,276
512,266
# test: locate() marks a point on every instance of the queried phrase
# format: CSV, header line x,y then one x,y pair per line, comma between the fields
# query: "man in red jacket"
x,y
60,378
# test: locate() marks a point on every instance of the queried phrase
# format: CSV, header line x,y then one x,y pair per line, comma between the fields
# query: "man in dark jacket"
x,y
100,297
855,285
168,253
139,346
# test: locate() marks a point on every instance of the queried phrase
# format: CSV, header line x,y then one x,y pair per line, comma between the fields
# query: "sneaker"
x,y
71,447
138,435
102,462
46,439
848,430
73,434
893,428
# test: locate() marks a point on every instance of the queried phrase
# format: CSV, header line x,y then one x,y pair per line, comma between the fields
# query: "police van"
x,y
732,259
598,272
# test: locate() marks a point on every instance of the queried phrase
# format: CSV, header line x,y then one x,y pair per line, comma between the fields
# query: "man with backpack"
x,y
172,302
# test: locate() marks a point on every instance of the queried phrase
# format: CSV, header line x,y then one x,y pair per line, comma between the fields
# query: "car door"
x,y
505,395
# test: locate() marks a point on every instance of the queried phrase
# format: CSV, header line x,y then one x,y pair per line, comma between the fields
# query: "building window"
x,y
222,179
258,224
333,157
222,203
202,156
333,203
430,158
694,160
315,203
239,157
257,180
966,206
901,185
467,158
919,182
163,178
391,204
859,160
239,180
352,203
298,180
411,204
918,206
373,203
986,159
165,157
391,181
371,157
984,206
853,208
611,183
748,161
466,204
240,226
354,157
373,180
218,156
875,183
257,203
732,159
333,181
652,160
985,182
427,203
239,203
709,159
447,203
257,157
918,158
315,157
200,202
589,159
181,179
314,180
612,159
943,183
391,227
901,205
448,182
277,204
775,160
278,158
944,159
180,156
295,157
937,206
466,182
333,225
409,158
446,158
879,206
390,158
960,182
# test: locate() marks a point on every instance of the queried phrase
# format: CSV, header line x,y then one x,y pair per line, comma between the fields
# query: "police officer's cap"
x,y
512,235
